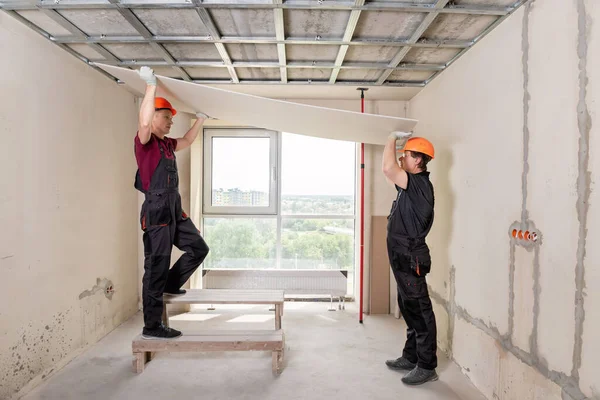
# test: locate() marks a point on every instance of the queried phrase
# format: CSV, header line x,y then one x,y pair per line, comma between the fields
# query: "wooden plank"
x,y
278,358
213,341
139,360
165,315
275,362
278,313
227,296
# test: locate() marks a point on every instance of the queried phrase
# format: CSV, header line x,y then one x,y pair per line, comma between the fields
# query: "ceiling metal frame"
x,y
423,42
356,8
280,36
131,18
268,4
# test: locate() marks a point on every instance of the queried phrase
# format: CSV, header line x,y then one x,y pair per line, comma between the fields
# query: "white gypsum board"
x,y
285,116
132,79
278,115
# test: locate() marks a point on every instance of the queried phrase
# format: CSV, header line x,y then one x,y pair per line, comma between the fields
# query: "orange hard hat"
x,y
420,145
161,102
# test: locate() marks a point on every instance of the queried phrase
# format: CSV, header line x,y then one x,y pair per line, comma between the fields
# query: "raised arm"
x,y
187,139
390,166
147,107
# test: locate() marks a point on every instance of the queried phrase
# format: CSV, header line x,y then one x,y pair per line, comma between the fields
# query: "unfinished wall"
x,y
513,122
68,207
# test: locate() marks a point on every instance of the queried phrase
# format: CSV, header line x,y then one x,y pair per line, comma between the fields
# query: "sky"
x,y
310,166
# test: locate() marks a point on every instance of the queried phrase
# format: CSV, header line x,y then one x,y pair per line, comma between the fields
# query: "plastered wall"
x,y
514,125
67,208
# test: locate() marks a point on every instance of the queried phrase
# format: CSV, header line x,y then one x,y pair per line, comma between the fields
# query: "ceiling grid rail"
x,y
440,4
142,30
480,36
450,44
258,4
267,64
421,54
280,36
348,34
64,47
214,32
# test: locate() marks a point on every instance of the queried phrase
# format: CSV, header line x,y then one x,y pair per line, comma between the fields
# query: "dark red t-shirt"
x,y
148,155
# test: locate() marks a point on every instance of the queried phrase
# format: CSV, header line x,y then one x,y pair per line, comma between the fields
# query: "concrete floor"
x,y
328,355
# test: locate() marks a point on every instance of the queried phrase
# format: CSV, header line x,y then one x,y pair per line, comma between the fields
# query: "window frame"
x,y
274,186
275,212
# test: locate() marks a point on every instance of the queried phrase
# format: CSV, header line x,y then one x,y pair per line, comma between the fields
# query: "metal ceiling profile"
x,y
282,42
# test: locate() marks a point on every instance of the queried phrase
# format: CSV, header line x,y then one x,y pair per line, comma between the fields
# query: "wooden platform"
x,y
228,296
270,340
273,341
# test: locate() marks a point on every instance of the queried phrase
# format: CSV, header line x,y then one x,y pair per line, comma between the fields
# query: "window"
x,y
278,200
239,171
317,203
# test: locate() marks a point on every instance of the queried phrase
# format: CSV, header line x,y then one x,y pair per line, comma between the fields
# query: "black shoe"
x,y
178,292
419,376
162,332
400,363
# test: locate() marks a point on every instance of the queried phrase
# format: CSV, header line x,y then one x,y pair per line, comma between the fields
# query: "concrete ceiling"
x,y
273,48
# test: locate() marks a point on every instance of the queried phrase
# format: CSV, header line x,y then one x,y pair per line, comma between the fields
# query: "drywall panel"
x,y
68,207
274,114
552,179
391,108
590,368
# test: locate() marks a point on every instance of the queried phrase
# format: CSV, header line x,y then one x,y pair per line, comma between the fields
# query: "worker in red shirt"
x,y
162,218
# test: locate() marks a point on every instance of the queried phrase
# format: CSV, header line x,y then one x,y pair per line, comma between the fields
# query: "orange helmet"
x,y
421,145
161,102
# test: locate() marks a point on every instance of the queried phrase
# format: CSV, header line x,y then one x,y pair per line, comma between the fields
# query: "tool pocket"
x,y
172,176
414,287
156,212
420,265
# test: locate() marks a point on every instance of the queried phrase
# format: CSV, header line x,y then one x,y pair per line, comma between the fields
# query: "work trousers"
x,y
165,225
416,308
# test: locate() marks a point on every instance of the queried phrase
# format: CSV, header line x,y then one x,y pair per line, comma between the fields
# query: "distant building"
x,y
237,197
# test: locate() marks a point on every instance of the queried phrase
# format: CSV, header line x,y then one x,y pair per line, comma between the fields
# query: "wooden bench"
x,y
228,296
273,341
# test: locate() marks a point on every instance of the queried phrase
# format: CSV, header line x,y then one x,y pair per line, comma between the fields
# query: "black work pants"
x,y
416,308
177,229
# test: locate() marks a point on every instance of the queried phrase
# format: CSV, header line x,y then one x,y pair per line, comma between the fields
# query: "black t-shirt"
x,y
411,215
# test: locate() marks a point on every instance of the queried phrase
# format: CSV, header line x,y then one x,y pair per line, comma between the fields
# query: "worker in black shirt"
x,y
409,223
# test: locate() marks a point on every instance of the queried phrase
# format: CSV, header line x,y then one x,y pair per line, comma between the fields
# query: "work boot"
x,y
162,332
400,364
419,376
177,292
